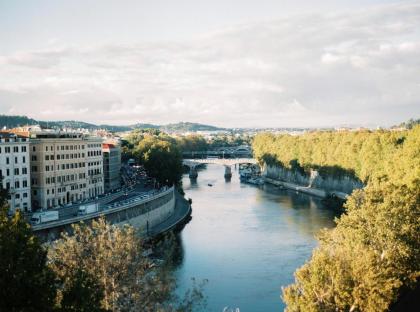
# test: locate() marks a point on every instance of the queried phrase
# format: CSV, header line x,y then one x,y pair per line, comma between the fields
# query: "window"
x,y
7,149
25,195
34,168
33,149
47,157
16,171
33,158
23,149
25,183
7,172
23,159
16,149
7,160
16,160
46,148
24,170
17,184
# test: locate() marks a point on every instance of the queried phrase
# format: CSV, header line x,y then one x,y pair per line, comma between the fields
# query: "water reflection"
x,y
177,252
245,240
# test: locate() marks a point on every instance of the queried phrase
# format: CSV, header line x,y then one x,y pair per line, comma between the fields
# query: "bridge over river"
x,y
192,164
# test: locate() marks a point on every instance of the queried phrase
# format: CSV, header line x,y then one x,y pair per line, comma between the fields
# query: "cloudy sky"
x,y
229,63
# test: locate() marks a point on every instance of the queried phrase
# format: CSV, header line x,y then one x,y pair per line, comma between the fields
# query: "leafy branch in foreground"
x,y
113,256
26,283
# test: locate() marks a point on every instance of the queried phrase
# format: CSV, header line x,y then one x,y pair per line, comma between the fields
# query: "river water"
x,y
245,240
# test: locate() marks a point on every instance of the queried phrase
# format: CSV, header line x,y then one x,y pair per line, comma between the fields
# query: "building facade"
x,y
15,170
112,166
95,167
60,171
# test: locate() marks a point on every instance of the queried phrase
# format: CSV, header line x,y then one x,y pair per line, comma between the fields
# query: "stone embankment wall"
x,y
153,213
330,184
152,210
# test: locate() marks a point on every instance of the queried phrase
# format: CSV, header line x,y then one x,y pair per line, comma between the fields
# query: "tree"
x,y
161,158
113,255
373,255
26,283
82,293
192,143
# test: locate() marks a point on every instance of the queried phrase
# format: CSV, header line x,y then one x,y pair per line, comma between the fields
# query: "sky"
x,y
237,63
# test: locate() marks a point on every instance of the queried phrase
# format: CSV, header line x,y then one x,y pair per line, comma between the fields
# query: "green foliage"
x,y
358,153
189,126
82,293
195,142
11,121
374,252
229,140
161,158
192,143
410,124
104,265
114,257
26,283
158,153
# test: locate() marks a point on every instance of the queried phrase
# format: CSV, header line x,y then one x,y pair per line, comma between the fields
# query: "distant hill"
x,y
144,126
17,121
189,126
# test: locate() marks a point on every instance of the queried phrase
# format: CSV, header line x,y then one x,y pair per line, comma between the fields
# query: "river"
x,y
245,240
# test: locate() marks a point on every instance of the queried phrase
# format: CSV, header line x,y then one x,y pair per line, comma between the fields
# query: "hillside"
x,y
189,126
10,121
15,121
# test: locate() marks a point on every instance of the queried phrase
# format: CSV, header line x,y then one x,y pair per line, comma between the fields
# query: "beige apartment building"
x,y
95,170
65,168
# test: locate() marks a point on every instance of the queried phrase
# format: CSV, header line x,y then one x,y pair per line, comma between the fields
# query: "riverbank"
x,y
305,189
180,217
153,216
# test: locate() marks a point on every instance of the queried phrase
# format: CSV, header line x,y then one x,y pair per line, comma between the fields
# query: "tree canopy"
x,y
105,265
26,283
373,255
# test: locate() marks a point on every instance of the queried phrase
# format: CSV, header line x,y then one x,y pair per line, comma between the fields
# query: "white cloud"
x,y
309,70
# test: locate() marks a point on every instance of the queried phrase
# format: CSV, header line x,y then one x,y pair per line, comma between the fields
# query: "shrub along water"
x,y
373,254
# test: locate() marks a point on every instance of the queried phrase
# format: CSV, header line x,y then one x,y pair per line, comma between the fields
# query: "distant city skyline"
x,y
224,63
